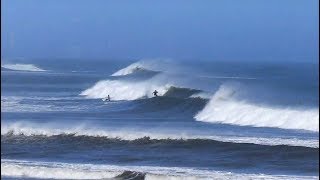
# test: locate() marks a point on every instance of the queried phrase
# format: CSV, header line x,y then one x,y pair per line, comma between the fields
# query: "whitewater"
x,y
222,107
22,67
208,122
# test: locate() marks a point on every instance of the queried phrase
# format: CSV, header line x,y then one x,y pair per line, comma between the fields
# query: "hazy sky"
x,y
179,29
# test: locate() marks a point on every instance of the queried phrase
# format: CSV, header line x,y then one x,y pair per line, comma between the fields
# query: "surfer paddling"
x,y
155,93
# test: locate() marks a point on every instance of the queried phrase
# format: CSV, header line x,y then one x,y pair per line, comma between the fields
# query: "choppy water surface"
x,y
211,120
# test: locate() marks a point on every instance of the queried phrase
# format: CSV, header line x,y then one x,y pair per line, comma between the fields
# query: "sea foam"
x,y
22,67
83,129
55,170
123,90
223,107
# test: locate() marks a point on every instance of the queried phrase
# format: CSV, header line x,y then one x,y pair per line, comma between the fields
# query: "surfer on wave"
x,y
155,93
107,98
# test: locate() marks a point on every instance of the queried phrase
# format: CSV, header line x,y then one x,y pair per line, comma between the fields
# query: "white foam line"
x,y
30,129
57,170
224,108
22,67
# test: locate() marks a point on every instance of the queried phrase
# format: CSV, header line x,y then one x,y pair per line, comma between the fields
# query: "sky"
x,y
259,30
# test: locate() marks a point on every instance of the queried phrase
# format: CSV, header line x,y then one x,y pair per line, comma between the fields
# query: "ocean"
x,y
211,120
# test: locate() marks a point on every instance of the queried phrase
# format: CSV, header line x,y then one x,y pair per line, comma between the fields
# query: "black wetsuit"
x,y
155,93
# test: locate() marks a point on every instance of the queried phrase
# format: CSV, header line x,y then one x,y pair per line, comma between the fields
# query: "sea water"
x,y
211,120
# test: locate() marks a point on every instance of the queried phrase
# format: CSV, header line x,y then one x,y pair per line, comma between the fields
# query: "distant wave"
x,y
22,67
83,131
223,108
56,170
140,66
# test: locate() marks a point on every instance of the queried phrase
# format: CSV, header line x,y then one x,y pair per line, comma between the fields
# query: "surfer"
x,y
155,93
107,98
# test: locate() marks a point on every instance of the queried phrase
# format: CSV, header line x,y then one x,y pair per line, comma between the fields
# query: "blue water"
x,y
211,120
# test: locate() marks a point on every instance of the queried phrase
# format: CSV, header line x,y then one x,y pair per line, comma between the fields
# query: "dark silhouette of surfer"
x,y
155,93
107,98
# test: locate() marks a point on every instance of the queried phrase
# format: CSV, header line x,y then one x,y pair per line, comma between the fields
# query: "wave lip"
x,y
224,108
133,68
22,67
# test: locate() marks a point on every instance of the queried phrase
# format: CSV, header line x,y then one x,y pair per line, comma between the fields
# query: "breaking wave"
x,y
83,131
231,103
225,107
140,66
125,90
121,90
22,67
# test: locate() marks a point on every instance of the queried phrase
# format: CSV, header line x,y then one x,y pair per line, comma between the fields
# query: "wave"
x,y
231,103
137,67
83,130
173,105
197,142
59,170
124,90
225,107
22,67
121,90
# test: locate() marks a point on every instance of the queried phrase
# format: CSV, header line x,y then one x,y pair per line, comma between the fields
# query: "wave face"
x,y
124,90
22,67
224,108
121,90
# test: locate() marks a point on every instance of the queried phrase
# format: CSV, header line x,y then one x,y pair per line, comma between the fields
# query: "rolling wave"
x,y
124,90
27,129
200,142
224,108
228,105
121,90
22,67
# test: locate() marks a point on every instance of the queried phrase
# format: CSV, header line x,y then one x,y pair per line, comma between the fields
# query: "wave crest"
x,y
83,131
124,90
225,107
121,90
140,66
